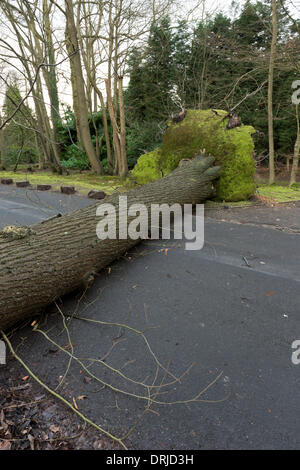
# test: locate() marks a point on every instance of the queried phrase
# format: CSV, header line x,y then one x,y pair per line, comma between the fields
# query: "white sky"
x,y
211,6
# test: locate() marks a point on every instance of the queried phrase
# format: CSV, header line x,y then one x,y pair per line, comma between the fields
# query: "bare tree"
x,y
79,96
92,56
27,48
98,37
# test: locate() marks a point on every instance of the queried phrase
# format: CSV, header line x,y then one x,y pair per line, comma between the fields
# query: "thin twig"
x,y
87,420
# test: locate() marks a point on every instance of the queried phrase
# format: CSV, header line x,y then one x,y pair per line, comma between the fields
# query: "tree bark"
x,y
58,255
114,123
78,89
106,134
124,166
2,146
270,92
293,178
51,79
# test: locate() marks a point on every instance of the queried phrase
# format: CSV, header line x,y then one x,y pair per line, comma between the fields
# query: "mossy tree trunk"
x,y
58,255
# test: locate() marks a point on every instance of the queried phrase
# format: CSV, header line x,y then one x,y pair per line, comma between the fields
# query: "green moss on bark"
x,y
204,129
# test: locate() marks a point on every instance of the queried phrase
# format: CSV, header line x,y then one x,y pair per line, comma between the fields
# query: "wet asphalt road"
x,y
210,308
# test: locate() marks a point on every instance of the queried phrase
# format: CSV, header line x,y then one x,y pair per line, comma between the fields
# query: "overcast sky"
x,y
294,5
211,6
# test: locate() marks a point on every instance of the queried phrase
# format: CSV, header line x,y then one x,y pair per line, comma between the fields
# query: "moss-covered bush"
x,y
204,129
148,167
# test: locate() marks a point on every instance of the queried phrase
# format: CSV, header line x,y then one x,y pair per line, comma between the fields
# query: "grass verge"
x,y
280,192
83,182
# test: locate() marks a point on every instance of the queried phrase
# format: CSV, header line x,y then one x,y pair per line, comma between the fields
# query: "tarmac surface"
x,y
231,309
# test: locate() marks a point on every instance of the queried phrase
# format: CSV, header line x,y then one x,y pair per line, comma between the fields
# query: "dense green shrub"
x,y
75,158
29,155
232,148
71,154
142,138
148,167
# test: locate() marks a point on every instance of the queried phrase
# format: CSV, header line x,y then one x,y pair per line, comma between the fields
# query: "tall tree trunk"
x,y
116,133
106,135
294,171
38,46
270,92
90,67
2,146
50,76
54,159
79,98
43,137
59,255
123,156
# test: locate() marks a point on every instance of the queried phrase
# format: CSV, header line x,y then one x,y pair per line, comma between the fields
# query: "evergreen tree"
x,y
18,135
159,70
216,65
181,39
134,96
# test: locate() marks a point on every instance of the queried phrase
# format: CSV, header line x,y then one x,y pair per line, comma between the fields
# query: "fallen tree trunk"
x,y
44,262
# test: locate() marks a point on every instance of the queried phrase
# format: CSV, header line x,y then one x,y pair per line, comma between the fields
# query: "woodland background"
x,y
128,66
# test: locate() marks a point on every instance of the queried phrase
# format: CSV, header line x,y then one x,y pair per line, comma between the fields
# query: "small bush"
x,y
148,167
75,158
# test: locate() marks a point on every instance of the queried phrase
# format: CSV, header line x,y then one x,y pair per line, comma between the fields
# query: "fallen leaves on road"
x,y
30,420
5,445
269,293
